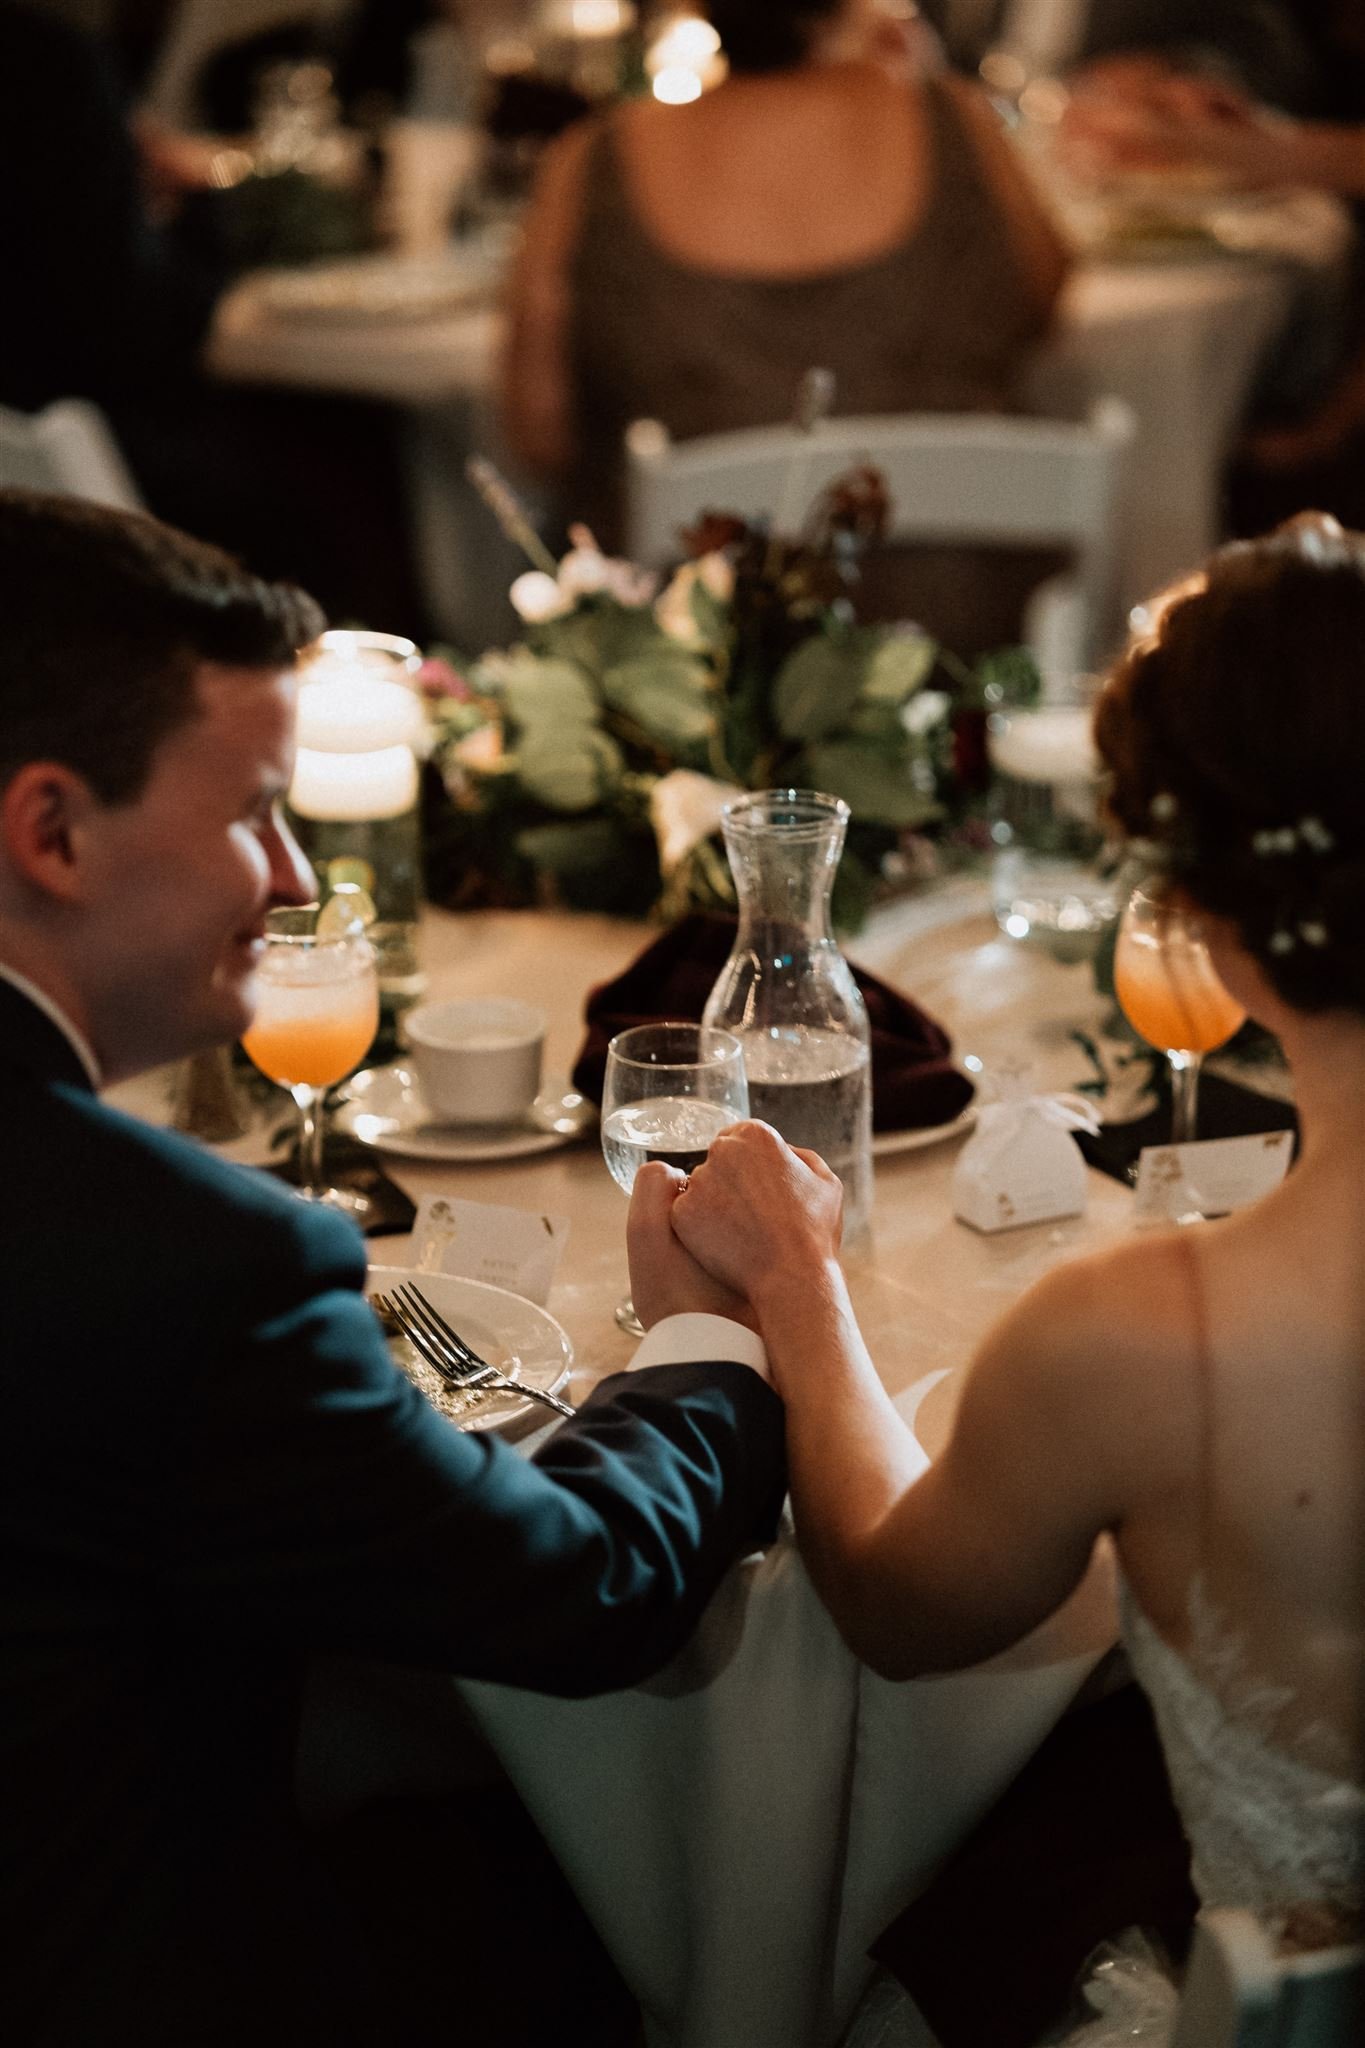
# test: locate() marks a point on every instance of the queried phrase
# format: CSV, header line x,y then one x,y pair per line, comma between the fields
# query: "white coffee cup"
x,y
477,1062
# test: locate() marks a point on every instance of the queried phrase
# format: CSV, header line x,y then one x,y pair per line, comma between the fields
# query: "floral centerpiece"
x,y
590,762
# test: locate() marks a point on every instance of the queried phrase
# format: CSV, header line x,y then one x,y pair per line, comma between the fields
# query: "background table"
x,y
741,1828
1182,341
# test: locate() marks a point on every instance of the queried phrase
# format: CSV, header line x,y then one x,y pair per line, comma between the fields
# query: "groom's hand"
x,y
665,1279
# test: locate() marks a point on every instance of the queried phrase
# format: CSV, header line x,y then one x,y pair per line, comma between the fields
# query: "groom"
x,y
209,1468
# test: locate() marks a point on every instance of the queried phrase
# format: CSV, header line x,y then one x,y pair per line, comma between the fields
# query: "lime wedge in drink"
x,y
348,911
349,867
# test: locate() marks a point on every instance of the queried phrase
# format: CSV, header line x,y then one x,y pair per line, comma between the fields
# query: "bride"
x,y
1199,1396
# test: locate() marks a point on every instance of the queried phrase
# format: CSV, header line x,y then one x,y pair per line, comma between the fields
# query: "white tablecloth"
x,y
743,1827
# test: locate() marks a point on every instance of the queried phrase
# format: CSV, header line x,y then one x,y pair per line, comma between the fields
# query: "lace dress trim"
x,y
1275,1822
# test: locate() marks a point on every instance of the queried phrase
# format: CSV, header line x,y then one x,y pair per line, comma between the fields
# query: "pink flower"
x,y
436,678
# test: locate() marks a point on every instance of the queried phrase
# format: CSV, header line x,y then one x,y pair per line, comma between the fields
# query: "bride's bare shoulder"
x,y
1132,1296
1112,1332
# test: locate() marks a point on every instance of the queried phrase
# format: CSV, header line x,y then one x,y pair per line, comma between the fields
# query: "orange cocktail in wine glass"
x,y
1170,992
317,1011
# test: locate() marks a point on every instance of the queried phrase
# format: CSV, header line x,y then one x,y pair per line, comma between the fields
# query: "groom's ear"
x,y
46,810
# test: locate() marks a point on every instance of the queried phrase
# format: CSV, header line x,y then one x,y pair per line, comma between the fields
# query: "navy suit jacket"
x,y
209,1468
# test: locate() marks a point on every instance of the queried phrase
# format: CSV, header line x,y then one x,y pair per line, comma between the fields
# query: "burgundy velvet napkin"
x,y
914,1083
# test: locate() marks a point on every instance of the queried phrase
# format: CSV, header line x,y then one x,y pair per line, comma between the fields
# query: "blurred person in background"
x,y
1315,454
1257,46
824,205
110,305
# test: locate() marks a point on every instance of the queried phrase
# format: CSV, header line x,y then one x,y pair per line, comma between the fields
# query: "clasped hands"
x,y
756,1218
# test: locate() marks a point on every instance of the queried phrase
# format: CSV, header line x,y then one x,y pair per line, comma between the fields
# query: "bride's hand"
x,y
758,1214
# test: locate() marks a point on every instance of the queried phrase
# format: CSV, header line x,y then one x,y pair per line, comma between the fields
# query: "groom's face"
x,y
180,879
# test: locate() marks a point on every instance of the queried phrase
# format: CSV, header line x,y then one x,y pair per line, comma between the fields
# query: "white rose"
x,y
673,607
629,584
684,809
583,572
922,712
537,597
717,576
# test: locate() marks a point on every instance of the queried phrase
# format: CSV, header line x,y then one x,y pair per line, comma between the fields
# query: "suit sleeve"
x,y
321,1501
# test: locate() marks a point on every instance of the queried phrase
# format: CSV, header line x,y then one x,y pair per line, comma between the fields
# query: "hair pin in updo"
x,y
1311,930
1310,834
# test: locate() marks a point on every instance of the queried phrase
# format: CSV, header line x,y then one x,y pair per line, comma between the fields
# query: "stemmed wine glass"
x,y
1171,994
317,1011
669,1090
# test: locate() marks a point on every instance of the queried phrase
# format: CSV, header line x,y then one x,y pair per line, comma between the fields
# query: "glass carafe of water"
x,y
787,993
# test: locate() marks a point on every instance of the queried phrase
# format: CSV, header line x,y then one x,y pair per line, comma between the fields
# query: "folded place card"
x,y
1210,1177
512,1248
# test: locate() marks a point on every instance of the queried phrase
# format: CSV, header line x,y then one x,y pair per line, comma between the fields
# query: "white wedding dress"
x,y
1274,1809
1272,1804
1269,1785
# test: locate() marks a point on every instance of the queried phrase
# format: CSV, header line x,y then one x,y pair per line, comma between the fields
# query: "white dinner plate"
x,y
885,1142
384,1109
506,1330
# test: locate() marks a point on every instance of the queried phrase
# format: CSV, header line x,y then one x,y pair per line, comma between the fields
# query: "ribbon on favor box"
x,y
1000,1123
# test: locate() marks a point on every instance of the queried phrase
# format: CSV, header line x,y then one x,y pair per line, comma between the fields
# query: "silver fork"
x,y
447,1351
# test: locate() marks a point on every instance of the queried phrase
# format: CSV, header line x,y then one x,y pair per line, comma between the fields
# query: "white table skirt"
x,y
743,1828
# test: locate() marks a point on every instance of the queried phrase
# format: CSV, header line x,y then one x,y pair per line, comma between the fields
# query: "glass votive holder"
x,y
1048,885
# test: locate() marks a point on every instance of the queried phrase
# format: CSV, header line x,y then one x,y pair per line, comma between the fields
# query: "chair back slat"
x,y
67,449
986,479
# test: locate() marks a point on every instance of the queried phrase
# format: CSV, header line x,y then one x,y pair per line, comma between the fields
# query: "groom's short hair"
x,y
105,620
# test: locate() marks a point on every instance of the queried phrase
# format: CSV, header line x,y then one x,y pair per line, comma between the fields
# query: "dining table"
x,y
740,1828
1183,329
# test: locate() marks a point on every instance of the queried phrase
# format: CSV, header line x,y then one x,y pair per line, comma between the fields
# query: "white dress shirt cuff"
x,y
676,1340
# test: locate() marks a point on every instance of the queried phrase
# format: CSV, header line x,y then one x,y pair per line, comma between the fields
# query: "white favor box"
x,y
1021,1165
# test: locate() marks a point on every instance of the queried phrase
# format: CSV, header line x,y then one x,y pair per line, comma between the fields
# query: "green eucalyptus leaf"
x,y
877,786
569,773
1009,676
600,633
879,722
548,695
709,615
852,895
666,695
818,685
898,668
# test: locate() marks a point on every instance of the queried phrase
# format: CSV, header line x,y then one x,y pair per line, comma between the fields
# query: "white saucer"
x,y
916,1140
385,1110
510,1332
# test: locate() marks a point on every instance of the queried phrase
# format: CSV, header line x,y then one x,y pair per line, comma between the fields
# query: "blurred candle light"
x,y
675,85
379,783
356,778
684,60
587,20
600,17
1053,744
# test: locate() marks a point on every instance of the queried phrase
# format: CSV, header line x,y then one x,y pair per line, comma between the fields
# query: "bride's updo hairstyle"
x,y
768,35
1233,729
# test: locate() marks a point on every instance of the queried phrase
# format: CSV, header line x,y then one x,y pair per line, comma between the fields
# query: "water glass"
x,y
669,1090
